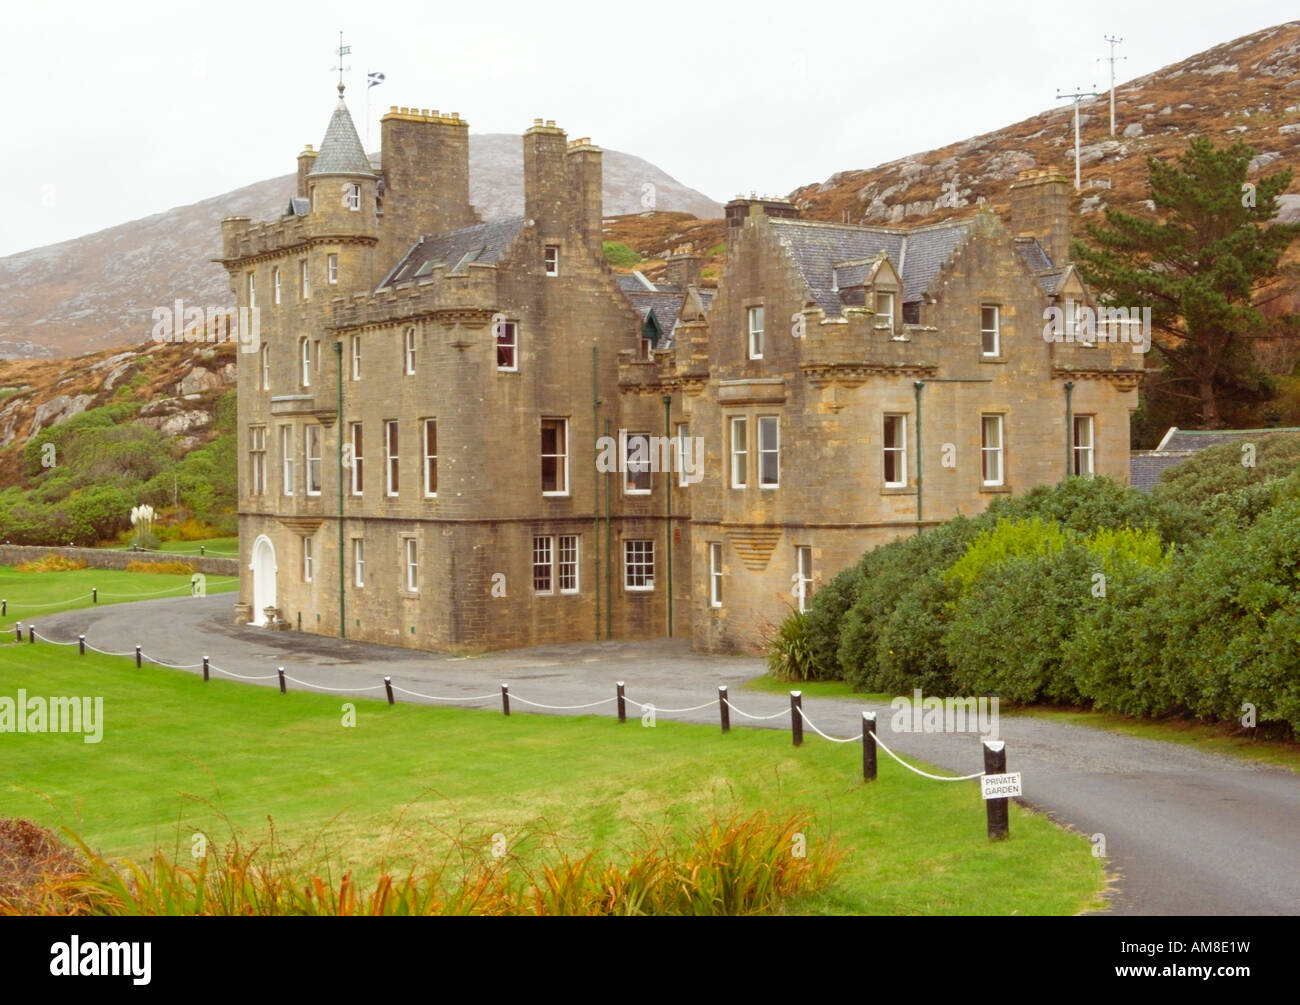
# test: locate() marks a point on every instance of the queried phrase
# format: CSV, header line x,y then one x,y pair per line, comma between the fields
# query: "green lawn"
x,y
220,547
33,595
179,755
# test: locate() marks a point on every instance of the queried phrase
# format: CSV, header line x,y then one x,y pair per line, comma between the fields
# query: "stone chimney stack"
x,y
546,179
426,177
586,192
306,160
683,267
1040,207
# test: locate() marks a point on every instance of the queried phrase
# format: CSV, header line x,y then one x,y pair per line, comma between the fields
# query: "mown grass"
x,y
407,782
32,596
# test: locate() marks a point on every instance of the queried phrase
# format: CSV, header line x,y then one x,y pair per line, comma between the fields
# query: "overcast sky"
x,y
117,111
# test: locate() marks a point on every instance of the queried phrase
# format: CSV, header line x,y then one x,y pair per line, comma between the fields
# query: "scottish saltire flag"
x,y
374,79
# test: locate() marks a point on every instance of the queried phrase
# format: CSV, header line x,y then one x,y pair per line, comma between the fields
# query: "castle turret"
x,y
341,185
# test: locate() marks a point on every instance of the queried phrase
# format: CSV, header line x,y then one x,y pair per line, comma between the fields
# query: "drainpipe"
x,y
338,421
918,385
1069,429
595,473
609,545
668,509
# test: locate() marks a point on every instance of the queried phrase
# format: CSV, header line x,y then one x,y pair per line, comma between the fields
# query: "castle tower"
x,y
341,185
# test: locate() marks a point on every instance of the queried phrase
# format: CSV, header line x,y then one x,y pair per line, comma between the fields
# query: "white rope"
x,y
430,697
231,673
813,726
344,690
51,641
556,708
174,666
674,711
923,774
777,715
105,652
57,603
157,593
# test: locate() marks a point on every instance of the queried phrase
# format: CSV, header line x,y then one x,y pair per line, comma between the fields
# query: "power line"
x,y
1112,59
1076,95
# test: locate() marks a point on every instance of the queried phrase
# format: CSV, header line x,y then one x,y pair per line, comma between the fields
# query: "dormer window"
x,y
352,196
885,311
552,257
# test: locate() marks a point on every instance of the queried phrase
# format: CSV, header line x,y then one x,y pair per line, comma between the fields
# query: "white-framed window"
x,y
638,565
275,284
895,451
352,196
756,333
568,563
685,458
357,438
313,460
266,367
507,346
990,330
991,460
356,357
304,279
430,458
306,560
769,452
286,460
257,460
803,574
636,464
552,256
391,457
358,561
412,565
252,290
1084,450
304,354
332,268
885,310
543,565
410,350
715,574
739,452
555,457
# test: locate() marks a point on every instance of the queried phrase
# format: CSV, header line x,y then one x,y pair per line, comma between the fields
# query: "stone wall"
x,y
101,558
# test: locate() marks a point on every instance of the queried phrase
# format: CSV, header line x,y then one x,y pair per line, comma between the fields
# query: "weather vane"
x,y
343,51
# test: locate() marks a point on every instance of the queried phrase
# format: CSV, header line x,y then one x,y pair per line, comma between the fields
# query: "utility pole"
x,y
1112,59
1076,96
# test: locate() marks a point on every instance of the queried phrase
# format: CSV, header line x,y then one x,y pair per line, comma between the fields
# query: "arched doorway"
x,y
263,568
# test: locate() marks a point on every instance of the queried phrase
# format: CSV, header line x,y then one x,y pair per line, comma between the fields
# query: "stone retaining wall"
x,y
102,558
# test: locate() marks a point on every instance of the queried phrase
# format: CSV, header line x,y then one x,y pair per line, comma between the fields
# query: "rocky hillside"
x,y
98,291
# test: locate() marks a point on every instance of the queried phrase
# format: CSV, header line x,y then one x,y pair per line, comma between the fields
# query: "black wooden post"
x,y
505,699
723,710
138,662
81,645
31,634
796,717
202,552
19,629
995,763
4,608
280,671
94,594
622,704
205,668
868,746
388,686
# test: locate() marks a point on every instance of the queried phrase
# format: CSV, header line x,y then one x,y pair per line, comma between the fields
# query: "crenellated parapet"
x,y
468,297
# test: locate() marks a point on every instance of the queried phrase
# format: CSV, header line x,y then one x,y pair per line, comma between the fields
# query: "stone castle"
x,y
469,435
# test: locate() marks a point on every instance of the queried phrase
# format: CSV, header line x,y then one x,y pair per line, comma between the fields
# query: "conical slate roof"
x,y
341,151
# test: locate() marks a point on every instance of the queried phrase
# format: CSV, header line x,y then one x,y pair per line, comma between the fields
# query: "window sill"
x,y
555,495
639,589
993,359
898,490
995,489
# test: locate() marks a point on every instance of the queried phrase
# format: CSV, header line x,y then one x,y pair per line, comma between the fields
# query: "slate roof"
x,y
456,249
665,299
340,150
816,248
1146,466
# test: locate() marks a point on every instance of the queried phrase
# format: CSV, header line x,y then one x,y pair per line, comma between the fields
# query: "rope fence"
x,y
994,751
94,595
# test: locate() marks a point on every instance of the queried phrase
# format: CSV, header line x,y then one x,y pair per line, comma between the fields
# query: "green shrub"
x,y
1219,469
620,255
788,657
823,619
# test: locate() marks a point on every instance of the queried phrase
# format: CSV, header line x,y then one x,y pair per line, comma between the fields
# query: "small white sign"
x,y
1000,786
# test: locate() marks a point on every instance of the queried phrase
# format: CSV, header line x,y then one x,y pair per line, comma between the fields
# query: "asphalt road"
x,y
1186,833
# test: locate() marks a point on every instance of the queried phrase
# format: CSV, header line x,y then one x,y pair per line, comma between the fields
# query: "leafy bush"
x,y
1218,469
620,255
788,656
50,563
